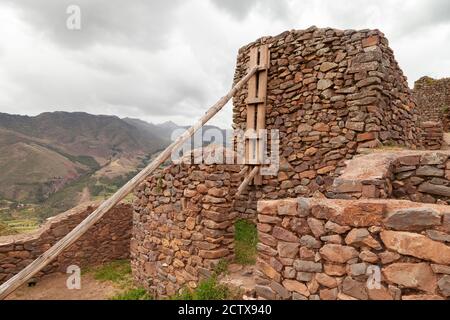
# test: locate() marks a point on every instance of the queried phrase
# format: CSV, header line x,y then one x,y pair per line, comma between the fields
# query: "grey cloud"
x,y
135,23
181,98
344,14
237,8
424,15
241,8
170,59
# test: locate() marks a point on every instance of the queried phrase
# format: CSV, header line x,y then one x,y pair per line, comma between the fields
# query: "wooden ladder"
x,y
256,111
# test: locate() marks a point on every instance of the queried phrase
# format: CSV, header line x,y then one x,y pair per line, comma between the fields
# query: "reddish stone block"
x,y
370,41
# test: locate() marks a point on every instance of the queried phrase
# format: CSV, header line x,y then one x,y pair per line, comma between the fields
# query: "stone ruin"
x,y
344,218
330,94
108,240
433,99
325,221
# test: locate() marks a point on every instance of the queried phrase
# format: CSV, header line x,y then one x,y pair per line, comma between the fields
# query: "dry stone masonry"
x,y
183,225
423,178
432,135
420,176
336,250
433,99
433,103
107,240
330,93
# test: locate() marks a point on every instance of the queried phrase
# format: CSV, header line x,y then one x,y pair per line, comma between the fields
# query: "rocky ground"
x,y
241,278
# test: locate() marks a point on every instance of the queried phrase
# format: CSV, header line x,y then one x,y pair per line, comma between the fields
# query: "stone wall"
x,y
107,240
330,93
432,135
424,178
336,250
433,99
420,176
183,225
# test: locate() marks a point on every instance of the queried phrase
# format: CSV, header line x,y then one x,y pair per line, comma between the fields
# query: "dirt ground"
x,y
53,287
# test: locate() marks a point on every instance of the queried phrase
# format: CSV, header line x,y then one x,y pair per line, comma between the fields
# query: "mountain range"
x,y
61,158
40,155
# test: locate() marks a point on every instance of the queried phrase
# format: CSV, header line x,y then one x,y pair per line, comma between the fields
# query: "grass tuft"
x,y
119,273
208,289
116,271
246,238
221,267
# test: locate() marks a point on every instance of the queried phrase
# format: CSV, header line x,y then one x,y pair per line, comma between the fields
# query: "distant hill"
x,y
51,162
78,133
40,155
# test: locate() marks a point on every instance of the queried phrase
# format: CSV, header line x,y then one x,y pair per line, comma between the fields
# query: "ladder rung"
x,y
255,100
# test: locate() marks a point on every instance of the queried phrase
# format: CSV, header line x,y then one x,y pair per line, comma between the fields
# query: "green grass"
x,y
5,230
116,271
208,289
245,240
19,220
22,225
119,273
221,267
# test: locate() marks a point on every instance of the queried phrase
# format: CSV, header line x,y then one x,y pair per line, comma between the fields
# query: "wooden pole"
x,y
44,259
247,181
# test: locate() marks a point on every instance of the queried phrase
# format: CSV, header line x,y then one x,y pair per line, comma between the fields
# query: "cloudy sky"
x,y
170,60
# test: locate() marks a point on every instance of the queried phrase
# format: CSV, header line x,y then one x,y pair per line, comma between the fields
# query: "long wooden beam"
x,y
44,259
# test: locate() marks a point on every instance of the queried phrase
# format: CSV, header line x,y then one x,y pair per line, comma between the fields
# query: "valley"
x,y
56,160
